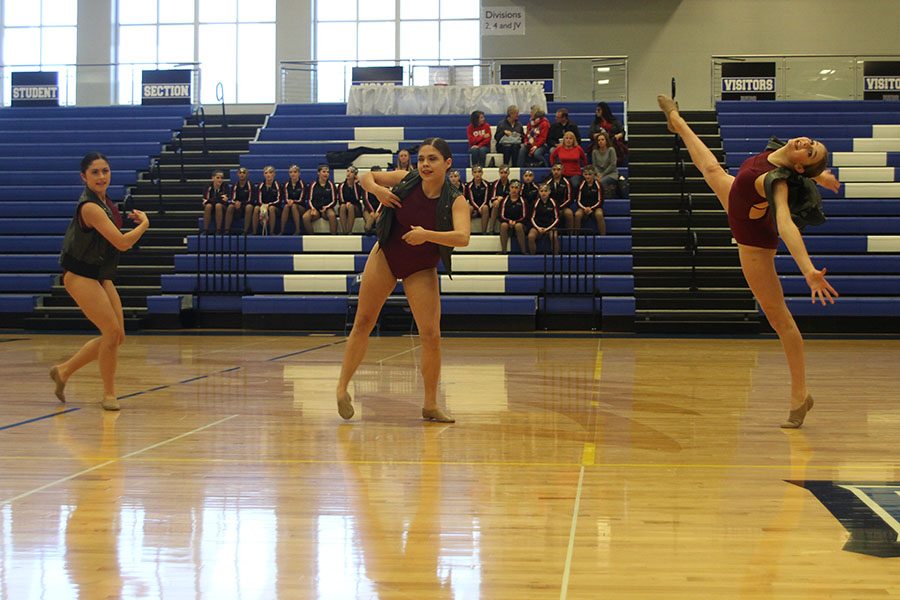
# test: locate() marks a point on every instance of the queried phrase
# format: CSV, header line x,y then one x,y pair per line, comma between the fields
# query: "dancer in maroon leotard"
x,y
411,253
756,231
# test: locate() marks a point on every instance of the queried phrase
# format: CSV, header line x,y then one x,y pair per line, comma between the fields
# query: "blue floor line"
x,y
50,416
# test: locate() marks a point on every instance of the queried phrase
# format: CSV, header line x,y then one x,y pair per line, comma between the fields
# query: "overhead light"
x,y
603,69
602,81
826,71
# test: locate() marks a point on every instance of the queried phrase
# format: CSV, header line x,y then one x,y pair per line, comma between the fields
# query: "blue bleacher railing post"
x,y
180,149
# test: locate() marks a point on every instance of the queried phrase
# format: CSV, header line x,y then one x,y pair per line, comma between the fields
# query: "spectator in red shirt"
x,y
572,158
535,144
479,134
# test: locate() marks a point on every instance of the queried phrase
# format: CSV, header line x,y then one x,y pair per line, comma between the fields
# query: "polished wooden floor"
x,y
578,468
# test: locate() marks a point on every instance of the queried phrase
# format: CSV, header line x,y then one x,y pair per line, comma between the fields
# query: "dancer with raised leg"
x,y
413,235
756,226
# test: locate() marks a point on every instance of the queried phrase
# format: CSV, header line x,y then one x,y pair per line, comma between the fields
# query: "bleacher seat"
x,y
859,244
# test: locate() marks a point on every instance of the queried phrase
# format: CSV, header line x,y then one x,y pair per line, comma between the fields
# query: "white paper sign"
x,y
502,20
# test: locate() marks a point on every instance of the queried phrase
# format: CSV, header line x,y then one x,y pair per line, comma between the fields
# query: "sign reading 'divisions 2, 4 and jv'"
x,y
172,86
502,20
35,88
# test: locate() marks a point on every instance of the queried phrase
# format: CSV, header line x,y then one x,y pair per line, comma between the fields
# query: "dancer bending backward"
x,y
756,231
90,258
431,219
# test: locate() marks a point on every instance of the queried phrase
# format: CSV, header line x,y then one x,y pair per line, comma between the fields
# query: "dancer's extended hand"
x,y
820,288
828,181
415,236
387,197
138,216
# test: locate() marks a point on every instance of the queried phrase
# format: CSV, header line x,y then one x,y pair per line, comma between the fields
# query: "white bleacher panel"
x,y
883,243
872,190
332,243
886,131
481,243
493,159
364,161
859,159
325,262
316,283
866,174
473,284
378,133
876,144
392,145
481,264
493,173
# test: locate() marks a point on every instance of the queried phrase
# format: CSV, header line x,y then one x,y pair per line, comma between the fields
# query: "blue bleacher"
x,y
868,280
40,181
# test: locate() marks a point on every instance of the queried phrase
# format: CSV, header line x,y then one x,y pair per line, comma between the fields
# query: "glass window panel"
x,y
18,13
377,10
129,86
336,10
218,11
256,63
137,12
217,61
59,45
22,46
256,11
336,41
176,11
419,9
176,43
137,44
60,12
460,9
460,39
377,40
331,81
419,40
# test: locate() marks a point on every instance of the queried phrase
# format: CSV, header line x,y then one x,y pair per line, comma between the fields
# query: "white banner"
x,y
502,20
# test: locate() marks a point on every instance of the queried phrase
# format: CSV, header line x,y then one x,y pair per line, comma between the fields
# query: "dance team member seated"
x,y
544,219
215,199
478,193
268,199
241,202
322,197
589,201
294,200
421,220
513,212
353,203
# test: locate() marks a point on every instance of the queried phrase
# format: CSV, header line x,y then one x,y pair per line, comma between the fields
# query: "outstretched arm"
x,y
819,287
828,181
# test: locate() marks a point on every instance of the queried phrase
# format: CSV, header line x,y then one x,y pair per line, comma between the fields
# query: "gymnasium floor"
x,y
579,468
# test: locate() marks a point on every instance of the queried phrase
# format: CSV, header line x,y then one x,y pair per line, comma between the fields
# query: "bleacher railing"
x,y
222,264
805,76
574,77
686,203
98,83
572,272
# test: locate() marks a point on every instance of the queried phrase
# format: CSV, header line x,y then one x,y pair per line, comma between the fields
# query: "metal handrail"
x,y
686,203
220,96
200,118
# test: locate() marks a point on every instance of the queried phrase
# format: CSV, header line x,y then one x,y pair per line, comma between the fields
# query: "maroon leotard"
x,y
749,217
403,259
